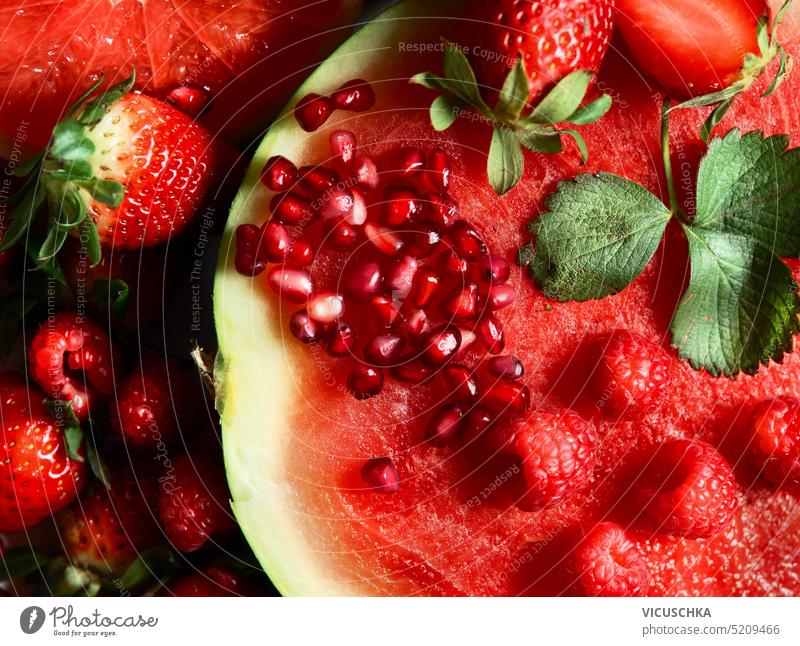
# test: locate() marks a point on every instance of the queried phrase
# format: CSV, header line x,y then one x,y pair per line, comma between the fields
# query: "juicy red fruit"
x,y
279,174
312,111
355,95
608,564
774,446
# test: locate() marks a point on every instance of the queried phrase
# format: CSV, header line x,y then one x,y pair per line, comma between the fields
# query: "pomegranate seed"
x,y
490,332
400,277
326,307
365,381
343,237
442,344
385,240
426,283
279,174
414,323
444,425
422,242
300,254
477,423
336,203
506,367
318,180
304,328
441,209
356,95
437,172
501,296
248,260
343,145
411,371
494,270
468,337
461,381
290,208
294,285
462,306
381,474
383,349
506,396
312,111
452,264
408,161
276,241
383,310
466,241
189,100
341,341
401,207
358,214
365,173
362,281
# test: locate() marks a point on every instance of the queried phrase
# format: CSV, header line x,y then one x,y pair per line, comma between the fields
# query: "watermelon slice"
x,y
295,440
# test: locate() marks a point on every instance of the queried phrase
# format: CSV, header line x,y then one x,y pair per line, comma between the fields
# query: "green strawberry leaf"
x,y
19,561
111,296
543,142
105,191
444,111
576,136
740,308
97,464
784,68
155,563
95,109
69,142
63,415
21,217
591,112
717,114
505,162
562,101
460,77
515,91
597,236
91,242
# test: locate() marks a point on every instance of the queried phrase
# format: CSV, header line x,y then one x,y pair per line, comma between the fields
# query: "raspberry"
x,y
557,450
609,564
775,445
689,489
631,372
193,503
73,359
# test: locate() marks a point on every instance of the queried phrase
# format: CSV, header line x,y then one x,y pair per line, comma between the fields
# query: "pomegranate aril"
x,y
279,174
383,349
506,396
386,241
442,344
466,241
408,161
401,207
343,145
437,172
414,323
365,381
248,259
445,425
326,307
381,475
441,209
295,285
304,328
358,214
356,95
365,173
411,371
300,254
275,241
362,281
463,305
343,237
461,381
494,270
422,241
189,100
506,367
383,310
452,264
500,296
468,337
478,421
400,277
312,111
291,208
490,332
341,341
425,285
336,203
316,181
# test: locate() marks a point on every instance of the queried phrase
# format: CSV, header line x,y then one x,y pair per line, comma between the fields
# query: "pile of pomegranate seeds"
x,y
418,293
314,109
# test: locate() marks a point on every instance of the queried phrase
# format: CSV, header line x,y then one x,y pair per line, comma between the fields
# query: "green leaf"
x,y
740,309
750,185
97,465
542,142
729,92
71,171
563,100
591,112
105,191
26,168
576,136
111,296
428,80
779,16
505,163
154,563
21,217
783,71
597,236
444,111
762,36
717,114
461,79
91,242
69,141
19,561
95,109
51,267
515,91
63,414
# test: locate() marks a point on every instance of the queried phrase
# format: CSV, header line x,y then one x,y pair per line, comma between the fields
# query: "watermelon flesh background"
x,y
454,528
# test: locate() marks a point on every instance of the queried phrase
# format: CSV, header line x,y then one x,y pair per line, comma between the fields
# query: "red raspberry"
x,y
689,489
558,452
631,372
193,503
152,404
775,445
609,564
73,359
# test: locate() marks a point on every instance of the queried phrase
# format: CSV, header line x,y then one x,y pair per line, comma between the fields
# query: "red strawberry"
x,y
553,39
557,451
775,444
691,48
631,372
37,477
688,489
216,581
609,564
72,359
152,403
193,503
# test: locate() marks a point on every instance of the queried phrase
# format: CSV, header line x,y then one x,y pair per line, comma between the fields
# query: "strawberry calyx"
x,y
516,124
61,177
752,68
